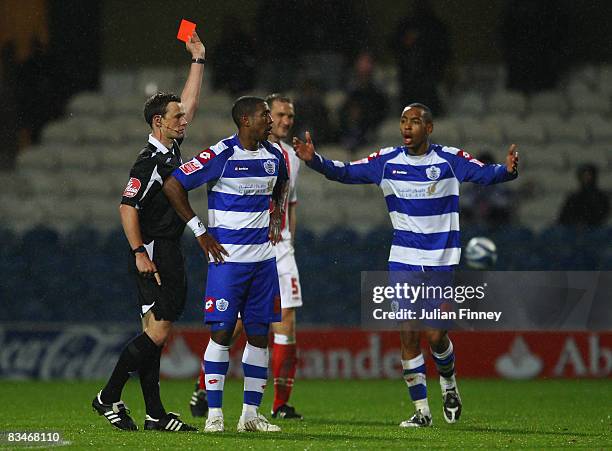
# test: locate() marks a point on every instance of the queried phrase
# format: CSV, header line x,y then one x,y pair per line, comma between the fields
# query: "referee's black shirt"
x,y
144,191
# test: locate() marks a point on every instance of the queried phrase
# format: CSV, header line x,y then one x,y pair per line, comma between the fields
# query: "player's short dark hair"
x,y
427,115
276,97
157,104
245,106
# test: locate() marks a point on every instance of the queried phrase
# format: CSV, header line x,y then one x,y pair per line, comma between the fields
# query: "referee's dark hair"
x,y
427,115
276,97
157,104
245,106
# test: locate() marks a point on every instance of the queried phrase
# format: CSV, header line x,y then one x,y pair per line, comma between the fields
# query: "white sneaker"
x,y
214,424
418,420
258,423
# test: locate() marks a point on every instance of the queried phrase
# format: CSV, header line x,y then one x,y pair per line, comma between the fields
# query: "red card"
x,y
185,30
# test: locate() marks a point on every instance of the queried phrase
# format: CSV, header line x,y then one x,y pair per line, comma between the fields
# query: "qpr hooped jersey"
x,y
422,196
240,184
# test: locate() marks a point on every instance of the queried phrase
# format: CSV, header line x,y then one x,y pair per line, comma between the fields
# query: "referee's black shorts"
x,y
167,301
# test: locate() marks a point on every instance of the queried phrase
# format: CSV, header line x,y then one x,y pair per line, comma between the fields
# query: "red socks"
x,y
284,363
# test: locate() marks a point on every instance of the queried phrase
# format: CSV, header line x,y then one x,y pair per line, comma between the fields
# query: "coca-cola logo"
x,y
80,352
132,187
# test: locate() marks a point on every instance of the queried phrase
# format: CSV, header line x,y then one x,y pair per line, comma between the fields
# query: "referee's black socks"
x,y
138,353
149,382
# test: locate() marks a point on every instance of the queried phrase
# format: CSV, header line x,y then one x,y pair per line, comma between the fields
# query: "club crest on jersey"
x,y
132,187
191,166
269,166
433,172
222,304
209,306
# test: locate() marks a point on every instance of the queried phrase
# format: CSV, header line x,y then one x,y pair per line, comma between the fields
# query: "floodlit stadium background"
x,y
63,255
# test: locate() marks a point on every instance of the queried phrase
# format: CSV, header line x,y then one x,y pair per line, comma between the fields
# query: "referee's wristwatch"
x,y
138,250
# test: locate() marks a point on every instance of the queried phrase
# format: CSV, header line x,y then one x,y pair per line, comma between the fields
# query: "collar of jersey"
x,y
239,145
158,145
429,150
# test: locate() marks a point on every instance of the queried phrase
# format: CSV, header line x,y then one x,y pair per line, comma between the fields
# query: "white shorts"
x,y
289,281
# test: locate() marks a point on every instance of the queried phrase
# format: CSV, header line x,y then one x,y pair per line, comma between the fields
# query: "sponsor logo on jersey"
x,y
470,158
222,304
209,306
241,168
213,381
433,172
431,189
398,171
132,187
269,166
191,166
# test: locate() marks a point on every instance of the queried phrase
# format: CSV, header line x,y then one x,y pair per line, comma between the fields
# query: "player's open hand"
x,y
146,268
195,47
512,159
304,150
212,248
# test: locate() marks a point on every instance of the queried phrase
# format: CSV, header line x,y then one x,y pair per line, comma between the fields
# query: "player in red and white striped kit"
x,y
284,359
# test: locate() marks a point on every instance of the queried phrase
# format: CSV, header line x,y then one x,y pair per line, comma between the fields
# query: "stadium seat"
x,y
524,131
590,103
601,130
537,158
334,100
507,102
153,79
567,131
81,158
87,104
488,130
42,157
62,132
469,104
591,155
548,102
446,132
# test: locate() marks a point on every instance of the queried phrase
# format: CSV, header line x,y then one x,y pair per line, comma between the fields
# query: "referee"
x,y
154,230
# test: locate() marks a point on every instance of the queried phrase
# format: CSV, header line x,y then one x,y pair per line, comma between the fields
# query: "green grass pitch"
x,y
338,414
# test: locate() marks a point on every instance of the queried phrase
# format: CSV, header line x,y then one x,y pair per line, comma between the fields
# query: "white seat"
x,y
537,158
601,130
44,183
446,132
471,104
567,131
488,130
61,132
334,100
92,104
44,157
507,102
590,103
130,106
151,80
548,102
81,158
524,132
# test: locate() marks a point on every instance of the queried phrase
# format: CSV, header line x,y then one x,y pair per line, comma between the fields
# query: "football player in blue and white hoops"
x,y
420,181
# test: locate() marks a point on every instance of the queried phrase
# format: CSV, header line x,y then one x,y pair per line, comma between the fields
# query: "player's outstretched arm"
x,y
176,194
468,169
338,171
190,97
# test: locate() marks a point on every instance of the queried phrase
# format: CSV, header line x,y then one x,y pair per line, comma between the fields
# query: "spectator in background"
x,y
422,49
365,107
534,38
9,124
36,89
312,114
589,206
491,206
233,61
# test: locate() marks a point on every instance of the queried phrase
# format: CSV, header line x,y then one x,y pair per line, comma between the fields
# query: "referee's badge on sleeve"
x,y
132,187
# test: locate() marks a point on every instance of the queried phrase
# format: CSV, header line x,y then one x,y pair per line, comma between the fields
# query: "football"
x,y
481,253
